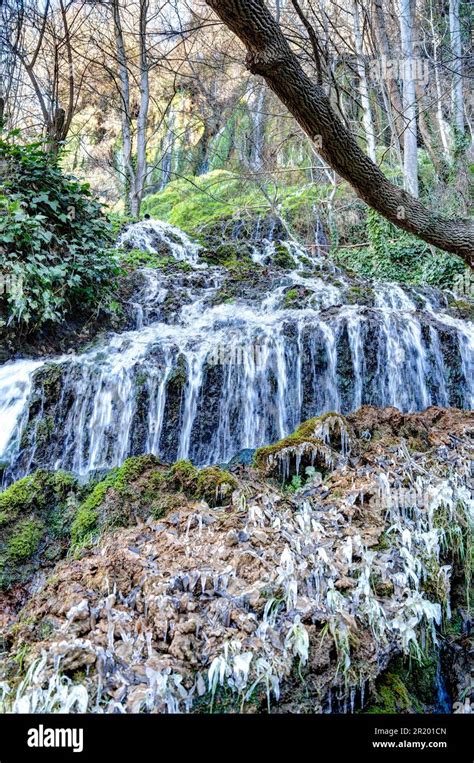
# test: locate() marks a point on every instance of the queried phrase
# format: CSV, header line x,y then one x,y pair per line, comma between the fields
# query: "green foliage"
x,y
295,483
197,203
394,255
53,238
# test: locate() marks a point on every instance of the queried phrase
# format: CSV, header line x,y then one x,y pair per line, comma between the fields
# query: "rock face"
x,y
291,584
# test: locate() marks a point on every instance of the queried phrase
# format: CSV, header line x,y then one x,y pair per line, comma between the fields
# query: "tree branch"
x,y
269,55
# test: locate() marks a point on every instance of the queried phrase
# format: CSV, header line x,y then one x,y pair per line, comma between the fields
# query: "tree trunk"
x,y
439,92
410,147
457,90
142,119
269,54
127,162
392,84
363,85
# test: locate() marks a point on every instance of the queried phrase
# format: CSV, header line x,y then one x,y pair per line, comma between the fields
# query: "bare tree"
x,y
363,84
40,39
410,145
457,88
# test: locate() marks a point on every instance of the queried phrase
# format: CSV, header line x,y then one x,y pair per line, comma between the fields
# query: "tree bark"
x,y
439,92
410,146
363,85
392,83
269,54
142,119
127,162
457,89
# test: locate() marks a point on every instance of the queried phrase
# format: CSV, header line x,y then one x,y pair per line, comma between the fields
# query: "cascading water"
x,y
202,378
15,385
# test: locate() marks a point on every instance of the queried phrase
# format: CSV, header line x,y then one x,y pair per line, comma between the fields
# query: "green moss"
x,y
384,542
40,506
87,515
63,483
121,480
291,298
131,470
44,430
182,476
391,696
215,486
206,203
312,451
282,258
406,687
51,377
24,542
27,494
228,254
136,258
360,295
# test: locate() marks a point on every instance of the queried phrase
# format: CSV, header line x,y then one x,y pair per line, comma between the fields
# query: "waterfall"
x,y
15,387
202,378
157,236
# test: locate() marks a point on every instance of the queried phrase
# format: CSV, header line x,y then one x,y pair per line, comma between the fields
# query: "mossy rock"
x,y
25,539
360,295
182,476
406,687
166,502
292,298
34,493
227,254
282,258
292,455
392,697
215,486
132,259
35,516
305,447
96,513
211,484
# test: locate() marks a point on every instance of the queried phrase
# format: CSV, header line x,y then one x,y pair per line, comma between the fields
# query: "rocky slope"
x,y
299,578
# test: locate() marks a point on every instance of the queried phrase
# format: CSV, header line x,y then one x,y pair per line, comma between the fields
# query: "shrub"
x,y
54,240
394,255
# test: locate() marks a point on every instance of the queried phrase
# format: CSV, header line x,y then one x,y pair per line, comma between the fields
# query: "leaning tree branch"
x,y
269,55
